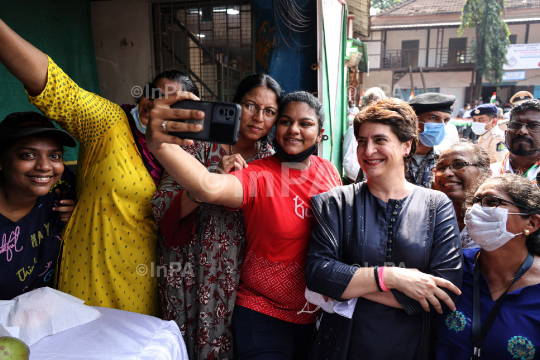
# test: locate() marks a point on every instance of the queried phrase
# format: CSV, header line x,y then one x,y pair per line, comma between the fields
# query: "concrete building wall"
x,y
453,83
534,34
123,50
519,30
395,38
374,51
382,79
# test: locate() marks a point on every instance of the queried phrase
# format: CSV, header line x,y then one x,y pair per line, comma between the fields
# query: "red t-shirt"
x,y
278,222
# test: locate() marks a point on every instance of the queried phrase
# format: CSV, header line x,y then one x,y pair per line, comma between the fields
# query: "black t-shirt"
x,y
29,247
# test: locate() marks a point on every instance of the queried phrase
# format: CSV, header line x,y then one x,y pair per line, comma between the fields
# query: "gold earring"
x,y
526,232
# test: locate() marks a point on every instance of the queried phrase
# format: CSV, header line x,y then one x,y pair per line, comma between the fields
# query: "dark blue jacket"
x,y
355,228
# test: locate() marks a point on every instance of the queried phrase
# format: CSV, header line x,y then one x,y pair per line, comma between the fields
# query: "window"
x,y
409,53
457,51
513,39
210,41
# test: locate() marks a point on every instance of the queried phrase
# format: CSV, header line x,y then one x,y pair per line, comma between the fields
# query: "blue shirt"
x,y
515,333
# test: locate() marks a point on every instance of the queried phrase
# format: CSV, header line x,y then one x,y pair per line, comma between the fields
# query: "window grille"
x,y
211,41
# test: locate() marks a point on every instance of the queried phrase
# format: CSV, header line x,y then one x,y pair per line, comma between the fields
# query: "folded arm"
x,y
328,275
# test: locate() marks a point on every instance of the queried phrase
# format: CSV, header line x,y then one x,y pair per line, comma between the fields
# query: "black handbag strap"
x,y
479,330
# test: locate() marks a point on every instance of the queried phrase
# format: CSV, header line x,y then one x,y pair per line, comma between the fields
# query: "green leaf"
x,y
491,44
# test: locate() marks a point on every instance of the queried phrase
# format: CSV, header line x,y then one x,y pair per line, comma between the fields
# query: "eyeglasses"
x,y
253,109
516,126
458,166
489,201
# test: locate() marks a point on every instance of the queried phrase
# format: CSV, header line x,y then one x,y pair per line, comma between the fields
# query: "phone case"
x,y
220,124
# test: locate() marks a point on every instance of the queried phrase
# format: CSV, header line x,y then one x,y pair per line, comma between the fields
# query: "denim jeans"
x,y
263,337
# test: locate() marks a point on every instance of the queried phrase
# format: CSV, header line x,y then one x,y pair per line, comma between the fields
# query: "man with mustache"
x,y
523,142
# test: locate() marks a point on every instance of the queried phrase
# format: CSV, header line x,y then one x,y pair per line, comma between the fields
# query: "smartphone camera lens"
x,y
231,113
221,112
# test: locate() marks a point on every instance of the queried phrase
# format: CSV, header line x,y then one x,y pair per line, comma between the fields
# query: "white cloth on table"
x,y
43,312
116,335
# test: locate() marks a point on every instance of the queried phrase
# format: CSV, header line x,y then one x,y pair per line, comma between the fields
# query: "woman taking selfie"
x,y
274,195
392,245
207,245
113,232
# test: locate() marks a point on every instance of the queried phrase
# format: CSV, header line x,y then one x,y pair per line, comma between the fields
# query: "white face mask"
x,y
318,300
478,128
487,226
345,308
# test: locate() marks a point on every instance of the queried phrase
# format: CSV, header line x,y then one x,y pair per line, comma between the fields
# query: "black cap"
x,y
485,109
432,102
22,124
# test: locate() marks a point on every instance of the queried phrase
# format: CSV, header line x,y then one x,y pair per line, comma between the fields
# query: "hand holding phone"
x,y
221,121
65,205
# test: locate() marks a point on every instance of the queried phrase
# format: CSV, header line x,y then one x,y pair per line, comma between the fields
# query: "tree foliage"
x,y
383,4
490,44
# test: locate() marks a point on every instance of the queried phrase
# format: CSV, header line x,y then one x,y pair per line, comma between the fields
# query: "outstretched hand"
x,y
424,288
162,121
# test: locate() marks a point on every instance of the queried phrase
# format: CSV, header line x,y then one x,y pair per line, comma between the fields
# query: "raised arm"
x,y
221,189
27,63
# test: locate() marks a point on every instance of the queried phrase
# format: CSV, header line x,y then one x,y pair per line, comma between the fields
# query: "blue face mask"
x,y
433,134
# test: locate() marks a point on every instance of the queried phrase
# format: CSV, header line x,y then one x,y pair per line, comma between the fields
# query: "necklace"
x,y
257,149
505,285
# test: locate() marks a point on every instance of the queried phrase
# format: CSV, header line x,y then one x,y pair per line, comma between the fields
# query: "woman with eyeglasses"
x,y
202,243
459,172
274,195
498,314
112,234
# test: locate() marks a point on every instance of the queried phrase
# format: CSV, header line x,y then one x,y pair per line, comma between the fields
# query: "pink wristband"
x,y
381,279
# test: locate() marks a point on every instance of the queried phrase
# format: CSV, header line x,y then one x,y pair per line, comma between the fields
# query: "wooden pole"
x,y
472,87
423,80
412,82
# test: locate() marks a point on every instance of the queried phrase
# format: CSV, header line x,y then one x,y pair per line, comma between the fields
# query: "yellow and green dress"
x,y
109,242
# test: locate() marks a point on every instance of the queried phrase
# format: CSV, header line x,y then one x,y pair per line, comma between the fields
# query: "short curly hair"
x,y
395,113
533,105
526,194
479,155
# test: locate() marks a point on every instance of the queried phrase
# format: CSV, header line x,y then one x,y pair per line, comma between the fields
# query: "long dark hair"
x,y
306,98
253,81
174,75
